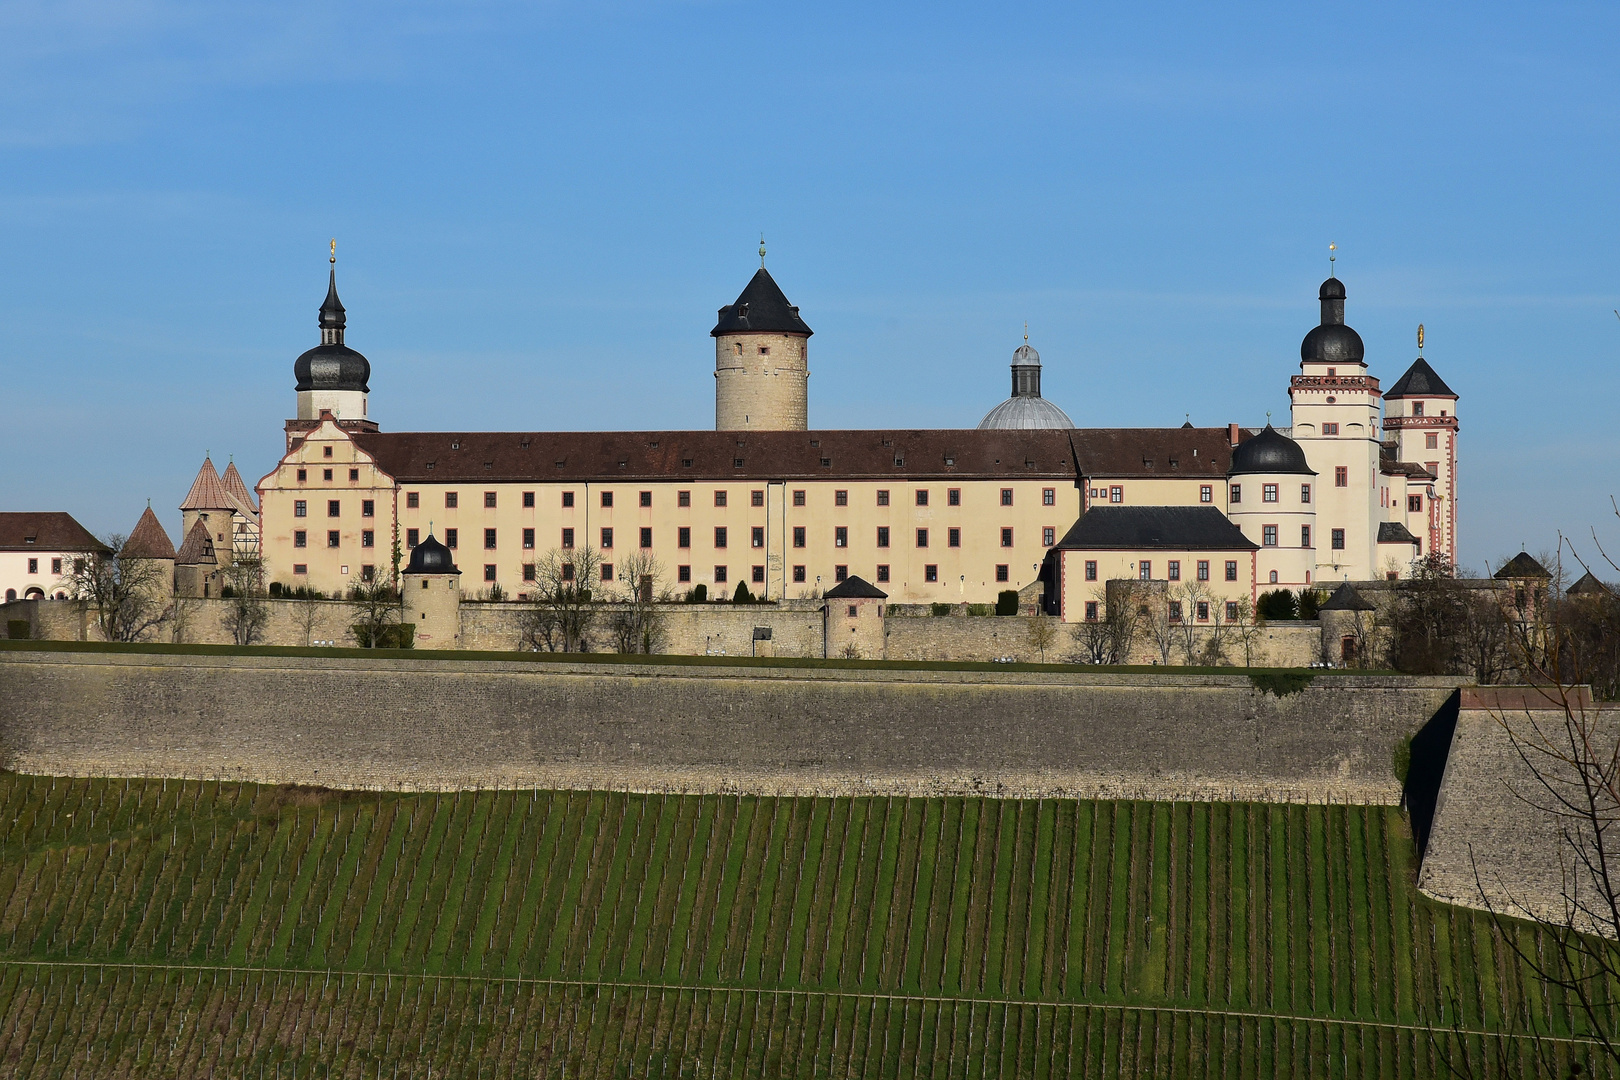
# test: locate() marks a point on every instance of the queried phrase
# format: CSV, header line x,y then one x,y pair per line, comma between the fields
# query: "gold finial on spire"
x,y
762,251
1026,331
1420,339
333,259
1332,256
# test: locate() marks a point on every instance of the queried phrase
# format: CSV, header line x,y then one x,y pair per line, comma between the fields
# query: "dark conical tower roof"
x,y
332,365
1269,452
762,308
1420,380
332,314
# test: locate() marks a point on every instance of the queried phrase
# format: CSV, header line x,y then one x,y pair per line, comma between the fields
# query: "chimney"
x,y
1232,433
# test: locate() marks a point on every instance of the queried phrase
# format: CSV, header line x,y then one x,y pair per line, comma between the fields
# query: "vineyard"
x,y
153,929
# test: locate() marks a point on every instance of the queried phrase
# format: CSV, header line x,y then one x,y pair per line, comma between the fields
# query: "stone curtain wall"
x,y
1492,844
443,724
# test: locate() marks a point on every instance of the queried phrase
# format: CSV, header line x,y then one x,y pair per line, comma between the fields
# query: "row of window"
x,y
334,538
1144,570
1268,493
683,574
33,566
953,497
334,508
1201,612
326,474
683,537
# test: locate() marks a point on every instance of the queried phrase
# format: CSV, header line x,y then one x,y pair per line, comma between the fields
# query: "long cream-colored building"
x,y
925,515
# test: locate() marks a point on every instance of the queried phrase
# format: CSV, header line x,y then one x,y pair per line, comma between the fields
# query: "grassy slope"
x,y
188,928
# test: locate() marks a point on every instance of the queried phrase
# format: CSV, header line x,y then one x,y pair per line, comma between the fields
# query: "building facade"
x,y
926,516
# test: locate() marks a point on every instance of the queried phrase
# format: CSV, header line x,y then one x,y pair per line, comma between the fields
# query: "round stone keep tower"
x,y
431,594
761,372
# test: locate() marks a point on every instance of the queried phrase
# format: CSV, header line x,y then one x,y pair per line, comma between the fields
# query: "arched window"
x,y
1274,577
11,596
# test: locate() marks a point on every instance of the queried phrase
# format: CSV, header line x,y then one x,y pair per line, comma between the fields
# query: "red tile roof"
x,y
148,540
45,531
235,486
197,548
761,455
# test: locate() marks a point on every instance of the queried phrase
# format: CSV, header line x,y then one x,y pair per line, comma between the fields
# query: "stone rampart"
x,y
1500,839
425,723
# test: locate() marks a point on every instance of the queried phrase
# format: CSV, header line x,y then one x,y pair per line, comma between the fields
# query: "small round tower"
x,y
1271,497
431,588
332,376
761,367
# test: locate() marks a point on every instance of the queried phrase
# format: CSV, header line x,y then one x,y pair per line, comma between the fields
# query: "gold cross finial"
x,y
333,259
762,251
1332,256
1420,339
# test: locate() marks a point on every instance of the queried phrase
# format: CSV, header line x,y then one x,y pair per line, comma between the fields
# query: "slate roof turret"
x,y
855,587
431,557
1521,565
1346,598
762,308
1420,380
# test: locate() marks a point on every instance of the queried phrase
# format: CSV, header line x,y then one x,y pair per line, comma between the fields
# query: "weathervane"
x,y
1420,339
762,251
1332,256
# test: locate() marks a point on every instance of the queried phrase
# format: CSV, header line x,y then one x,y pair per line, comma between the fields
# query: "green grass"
x,y
171,928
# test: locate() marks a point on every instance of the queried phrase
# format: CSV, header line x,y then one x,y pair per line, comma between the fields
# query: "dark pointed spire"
x,y
333,318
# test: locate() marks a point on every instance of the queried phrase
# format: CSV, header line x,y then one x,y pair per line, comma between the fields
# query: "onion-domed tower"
x,y
1271,497
1335,406
332,376
1026,408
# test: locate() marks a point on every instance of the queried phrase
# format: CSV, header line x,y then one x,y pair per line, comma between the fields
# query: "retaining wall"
x,y
441,724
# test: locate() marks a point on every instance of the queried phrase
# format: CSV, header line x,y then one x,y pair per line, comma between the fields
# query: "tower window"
x,y
1236,493
303,568
326,474
1414,504
303,474
607,571
1431,441
764,350
1417,408
1330,429
1338,539
1268,535
326,451
1268,493
1091,611
1305,493
528,571
1341,476
1305,536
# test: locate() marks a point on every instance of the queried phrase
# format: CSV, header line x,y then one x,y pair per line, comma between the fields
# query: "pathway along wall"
x,y
443,724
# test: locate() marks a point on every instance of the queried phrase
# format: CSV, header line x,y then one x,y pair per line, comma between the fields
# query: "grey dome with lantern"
x,y
431,557
332,365
1026,410
1269,452
1332,342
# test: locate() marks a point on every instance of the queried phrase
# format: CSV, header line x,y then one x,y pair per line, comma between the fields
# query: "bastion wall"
x,y
765,728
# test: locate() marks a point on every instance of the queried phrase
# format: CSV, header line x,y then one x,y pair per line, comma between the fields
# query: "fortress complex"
x,y
1363,482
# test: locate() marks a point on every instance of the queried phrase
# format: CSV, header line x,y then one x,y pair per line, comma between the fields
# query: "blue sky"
x,y
540,206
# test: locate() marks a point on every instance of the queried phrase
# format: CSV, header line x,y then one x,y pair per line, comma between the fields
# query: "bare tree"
x,y
1246,626
129,596
565,608
1108,638
637,620
1041,633
247,611
182,616
379,615
1161,619
306,613
1194,598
